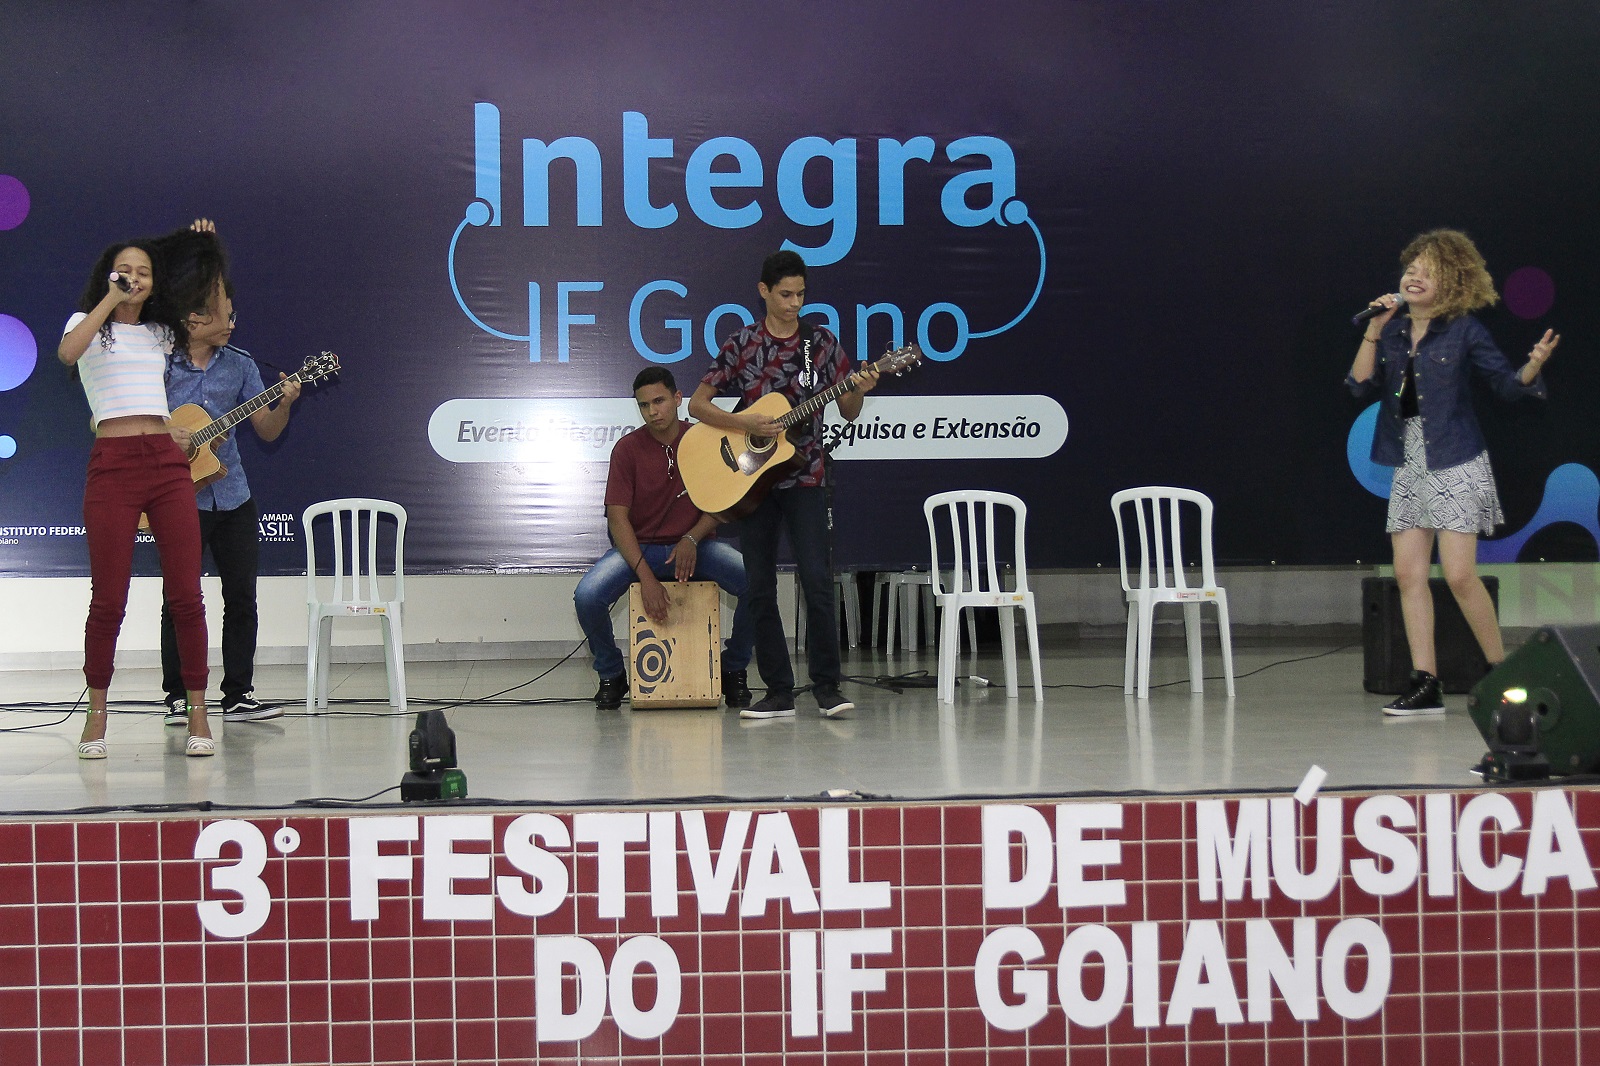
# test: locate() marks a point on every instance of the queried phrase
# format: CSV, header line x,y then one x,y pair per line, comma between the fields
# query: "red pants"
x,y
127,475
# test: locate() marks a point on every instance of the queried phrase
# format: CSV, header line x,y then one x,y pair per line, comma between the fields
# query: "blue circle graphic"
x,y
1376,479
8,446
19,353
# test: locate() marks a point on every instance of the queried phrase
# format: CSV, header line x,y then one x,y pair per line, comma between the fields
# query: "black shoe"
x,y
249,709
830,702
736,688
177,711
612,689
770,707
1424,697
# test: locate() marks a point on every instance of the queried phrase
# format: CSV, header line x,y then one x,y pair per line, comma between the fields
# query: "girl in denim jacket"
x,y
1423,360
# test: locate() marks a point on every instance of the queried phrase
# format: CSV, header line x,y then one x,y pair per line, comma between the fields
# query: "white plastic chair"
x,y
976,579
848,602
355,587
1162,579
906,589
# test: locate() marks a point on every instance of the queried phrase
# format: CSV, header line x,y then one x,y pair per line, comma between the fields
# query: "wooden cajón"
x,y
676,663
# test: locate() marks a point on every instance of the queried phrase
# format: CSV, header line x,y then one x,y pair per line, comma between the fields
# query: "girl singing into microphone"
x,y
135,466
1421,351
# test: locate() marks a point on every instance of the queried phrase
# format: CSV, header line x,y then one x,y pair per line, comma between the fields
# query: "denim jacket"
x,y
1450,354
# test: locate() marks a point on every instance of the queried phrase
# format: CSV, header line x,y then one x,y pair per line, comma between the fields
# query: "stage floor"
x,y
1301,705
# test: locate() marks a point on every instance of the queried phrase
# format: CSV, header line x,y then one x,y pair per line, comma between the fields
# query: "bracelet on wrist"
x,y
1370,340
690,538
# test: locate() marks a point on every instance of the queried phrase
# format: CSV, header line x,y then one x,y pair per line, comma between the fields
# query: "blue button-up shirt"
x,y
230,379
1450,355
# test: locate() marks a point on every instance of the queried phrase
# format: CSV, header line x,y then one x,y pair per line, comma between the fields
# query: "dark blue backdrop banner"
x,y
1128,236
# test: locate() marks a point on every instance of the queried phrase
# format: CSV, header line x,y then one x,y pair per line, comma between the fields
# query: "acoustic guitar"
x,y
206,433
728,471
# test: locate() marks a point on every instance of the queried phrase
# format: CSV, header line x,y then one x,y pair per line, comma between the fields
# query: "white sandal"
x,y
199,747
92,749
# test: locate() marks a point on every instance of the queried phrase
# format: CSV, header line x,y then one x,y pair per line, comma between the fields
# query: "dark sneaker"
x,y
249,709
612,689
830,702
177,711
770,707
736,688
1424,697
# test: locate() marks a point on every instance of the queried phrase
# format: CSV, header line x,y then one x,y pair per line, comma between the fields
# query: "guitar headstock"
x,y
318,367
899,360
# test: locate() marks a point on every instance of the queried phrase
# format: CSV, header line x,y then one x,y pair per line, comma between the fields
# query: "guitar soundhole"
x,y
760,444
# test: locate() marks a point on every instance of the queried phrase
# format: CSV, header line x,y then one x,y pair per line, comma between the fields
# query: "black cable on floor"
x,y
1236,677
27,708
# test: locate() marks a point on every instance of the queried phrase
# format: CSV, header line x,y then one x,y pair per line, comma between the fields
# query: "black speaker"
x,y
1555,679
1387,653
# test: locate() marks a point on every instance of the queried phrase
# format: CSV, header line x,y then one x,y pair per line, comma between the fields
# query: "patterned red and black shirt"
x,y
753,362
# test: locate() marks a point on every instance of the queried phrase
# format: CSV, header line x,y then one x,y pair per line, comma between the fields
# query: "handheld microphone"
x,y
121,281
1374,312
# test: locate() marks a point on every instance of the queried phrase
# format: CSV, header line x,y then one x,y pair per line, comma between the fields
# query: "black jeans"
x,y
230,537
803,512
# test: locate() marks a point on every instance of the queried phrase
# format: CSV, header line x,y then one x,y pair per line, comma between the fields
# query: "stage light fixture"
x,y
1514,753
1539,710
434,774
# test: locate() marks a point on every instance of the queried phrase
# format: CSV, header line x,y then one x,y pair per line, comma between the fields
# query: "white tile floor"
x,y
1283,720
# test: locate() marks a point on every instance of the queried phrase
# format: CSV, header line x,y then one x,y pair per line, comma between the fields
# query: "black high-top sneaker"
x,y
612,690
1424,697
736,688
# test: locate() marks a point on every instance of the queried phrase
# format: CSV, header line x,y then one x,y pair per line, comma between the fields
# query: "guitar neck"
x,y
240,413
804,411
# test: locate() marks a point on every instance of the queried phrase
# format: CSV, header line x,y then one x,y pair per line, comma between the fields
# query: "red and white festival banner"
x,y
1438,926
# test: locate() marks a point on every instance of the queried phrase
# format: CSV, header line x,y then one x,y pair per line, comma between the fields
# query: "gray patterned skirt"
x,y
1461,498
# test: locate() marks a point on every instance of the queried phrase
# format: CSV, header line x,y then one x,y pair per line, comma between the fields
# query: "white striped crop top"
x,y
128,378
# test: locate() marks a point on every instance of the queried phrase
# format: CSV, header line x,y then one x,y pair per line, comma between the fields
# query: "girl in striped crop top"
x,y
135,466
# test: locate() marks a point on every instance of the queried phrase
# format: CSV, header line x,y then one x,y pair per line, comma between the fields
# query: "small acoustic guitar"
x,y
206,433
727,472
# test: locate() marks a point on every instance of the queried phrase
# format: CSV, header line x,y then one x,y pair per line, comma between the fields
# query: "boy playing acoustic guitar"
x,y
217,377
781,353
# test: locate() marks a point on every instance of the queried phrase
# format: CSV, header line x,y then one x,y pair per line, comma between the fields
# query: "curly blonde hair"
x,y
1458,270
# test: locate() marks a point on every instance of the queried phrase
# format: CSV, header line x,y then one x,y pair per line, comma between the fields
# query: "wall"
x,y
503,615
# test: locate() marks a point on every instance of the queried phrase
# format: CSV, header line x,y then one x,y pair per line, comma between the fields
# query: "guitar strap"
x,y
808,376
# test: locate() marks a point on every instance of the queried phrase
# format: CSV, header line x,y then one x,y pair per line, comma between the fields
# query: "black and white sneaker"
x,y
770,706
249,709
177,711
830,702
1424,698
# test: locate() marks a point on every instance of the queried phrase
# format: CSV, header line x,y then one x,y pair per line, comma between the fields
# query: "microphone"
x,y
1374,312
121,281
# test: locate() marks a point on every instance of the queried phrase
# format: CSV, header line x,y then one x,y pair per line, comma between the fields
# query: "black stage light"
x,y
1514,753
434,774
1542,705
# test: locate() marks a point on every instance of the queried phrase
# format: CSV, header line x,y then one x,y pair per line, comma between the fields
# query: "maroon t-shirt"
x,y
644,478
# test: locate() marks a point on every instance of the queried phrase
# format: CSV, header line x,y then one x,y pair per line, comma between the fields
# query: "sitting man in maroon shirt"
x,y
657,534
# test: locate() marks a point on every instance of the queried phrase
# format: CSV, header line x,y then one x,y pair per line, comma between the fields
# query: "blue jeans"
x,y
608,580
803,512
